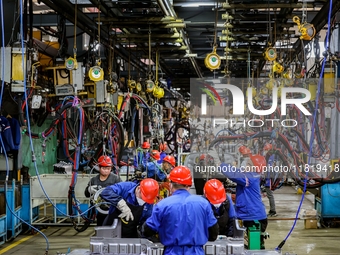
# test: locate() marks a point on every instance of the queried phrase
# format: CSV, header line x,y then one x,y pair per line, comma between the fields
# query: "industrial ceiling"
x,y
183,33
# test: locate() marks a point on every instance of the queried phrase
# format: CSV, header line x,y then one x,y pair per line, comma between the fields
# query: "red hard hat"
x,y
155,155
267,147
202,157
104,161
207,158
162,147
259,162
244,150
214,191
181,175
149,189
170,159
145,145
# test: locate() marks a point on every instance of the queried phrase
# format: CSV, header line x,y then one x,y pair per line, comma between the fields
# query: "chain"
x,y
304,12
216,19
149,50
75,30
99,29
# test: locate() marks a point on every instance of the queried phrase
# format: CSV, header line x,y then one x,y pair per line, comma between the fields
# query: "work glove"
x,y
125,209
92,189
213,153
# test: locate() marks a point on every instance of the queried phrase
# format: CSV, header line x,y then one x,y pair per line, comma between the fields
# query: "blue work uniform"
x,y
6,135
153,169
126,191
182,222
162,156
249,204
141,158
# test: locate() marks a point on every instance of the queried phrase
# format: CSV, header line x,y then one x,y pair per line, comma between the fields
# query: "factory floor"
x,y
320,241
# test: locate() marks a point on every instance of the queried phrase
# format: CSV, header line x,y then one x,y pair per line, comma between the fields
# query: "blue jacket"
x,y
16,132
152,169
126,191
162,156
141,158
249,204
6,135
182,221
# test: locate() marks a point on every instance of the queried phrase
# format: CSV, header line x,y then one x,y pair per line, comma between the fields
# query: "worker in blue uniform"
x,y
184,222
152,169
163,154
131,202
249,206
221,205
142,156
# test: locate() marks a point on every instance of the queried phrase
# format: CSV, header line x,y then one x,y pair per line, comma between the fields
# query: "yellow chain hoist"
x,y
306,30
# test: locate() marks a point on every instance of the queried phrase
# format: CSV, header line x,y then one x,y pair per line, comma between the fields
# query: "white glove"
x,y
126,211
213,153
92,189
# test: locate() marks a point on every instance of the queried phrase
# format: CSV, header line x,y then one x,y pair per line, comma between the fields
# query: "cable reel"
x,y
306,30
131,84
71,64
138,86
158,92
270,54
96,73
277,67
212,61
271,84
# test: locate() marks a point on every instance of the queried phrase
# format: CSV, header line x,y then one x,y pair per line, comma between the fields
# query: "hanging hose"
x,y
279,247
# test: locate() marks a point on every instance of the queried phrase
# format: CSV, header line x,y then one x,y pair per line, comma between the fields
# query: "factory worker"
x,y
184,222
131,202
152,169
249,206
142,156
103,179
221,205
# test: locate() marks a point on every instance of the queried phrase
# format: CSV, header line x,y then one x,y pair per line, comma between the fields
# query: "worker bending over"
x,y
103,179
131,202
221,205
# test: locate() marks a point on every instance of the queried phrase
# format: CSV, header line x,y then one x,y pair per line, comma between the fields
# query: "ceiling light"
x,y
195,4
227,16
188,55
228,25
226,5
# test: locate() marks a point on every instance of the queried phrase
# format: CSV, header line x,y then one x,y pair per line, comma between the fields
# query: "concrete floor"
x,y
301,241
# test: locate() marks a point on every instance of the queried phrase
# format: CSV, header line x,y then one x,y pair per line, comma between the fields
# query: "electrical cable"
x,y
28,126
44,135
279,247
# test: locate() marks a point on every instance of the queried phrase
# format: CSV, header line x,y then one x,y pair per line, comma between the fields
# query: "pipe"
x,y
168,11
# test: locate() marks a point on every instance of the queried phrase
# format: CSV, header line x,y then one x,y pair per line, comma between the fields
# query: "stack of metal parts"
x,y
63,168
108,242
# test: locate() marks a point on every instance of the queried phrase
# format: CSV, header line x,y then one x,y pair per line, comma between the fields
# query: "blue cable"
x,y
313,126
1,94
27,113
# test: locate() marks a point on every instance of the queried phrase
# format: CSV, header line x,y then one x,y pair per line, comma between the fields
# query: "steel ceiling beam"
x,y
169,11
242,6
